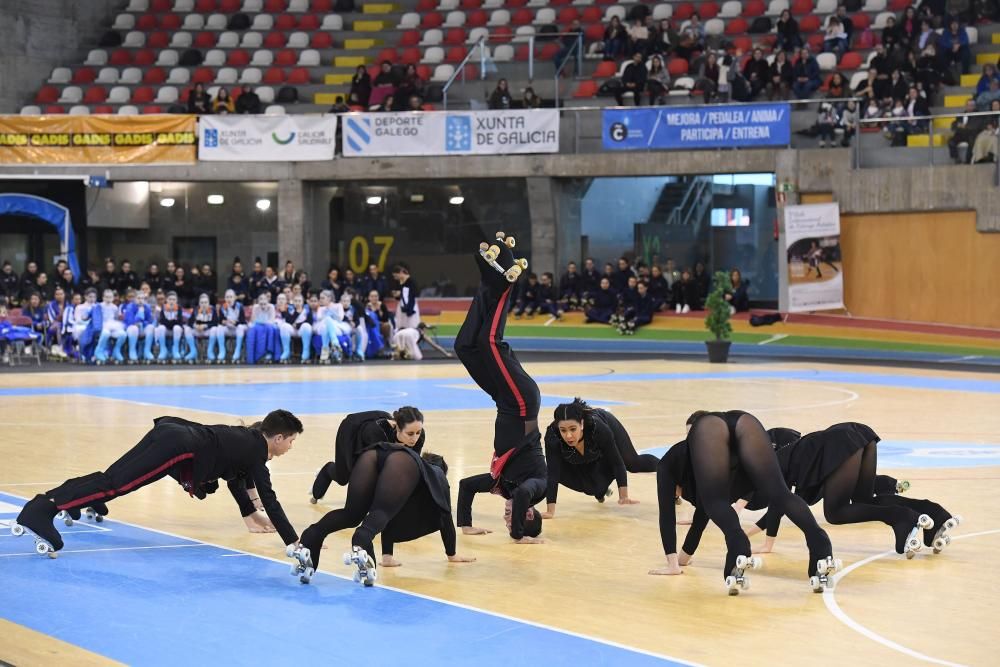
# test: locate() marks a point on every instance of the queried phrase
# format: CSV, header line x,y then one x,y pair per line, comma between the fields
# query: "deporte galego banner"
x,y
85,140
451,132
680,128
267,138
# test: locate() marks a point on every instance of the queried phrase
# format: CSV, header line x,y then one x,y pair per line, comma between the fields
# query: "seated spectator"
x,y
388,104
263,342
639,313
881,62
386,76
780,77
500,98
384,87
414,103
373,281
985,147
846,23
787,30
805,74
964,130
927,35
361,88
896,130
620,278
223,103
989,75
736,295
626,300
198,100
757,72
248,102
633,80
930,72
908,29
708,77
657,81
837,88
897,88
54,313
574,33
108,278
686,293
826,122
35,311
866,89
547,300
849,122
183,288
692,38
410,84
835,39
303,283
271,284
954,46
43,288
603,304
667,38
659,288
530,99
206,282
570,288
638,38
332,284
985,100
615,39
378,313
891,37
527,299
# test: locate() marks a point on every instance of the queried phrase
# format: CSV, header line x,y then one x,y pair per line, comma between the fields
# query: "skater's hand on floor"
x,y
461,559
627,501
549,515
529,540
472,530
255,527
389,561
668,570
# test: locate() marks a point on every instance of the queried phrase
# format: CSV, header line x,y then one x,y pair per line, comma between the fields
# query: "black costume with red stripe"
x,y
518,471
195,455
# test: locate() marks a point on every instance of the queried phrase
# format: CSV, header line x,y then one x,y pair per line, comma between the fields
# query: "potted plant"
x,y
717,320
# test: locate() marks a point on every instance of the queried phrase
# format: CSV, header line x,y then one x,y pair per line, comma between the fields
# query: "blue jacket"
x,y
947,40
138,315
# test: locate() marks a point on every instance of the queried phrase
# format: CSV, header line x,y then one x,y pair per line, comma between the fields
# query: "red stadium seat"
x,y
373,71
154,76
568,15
321,6
160,6
592,15
152,108
230,6
815,42
299,76
47,94
205,40
144,58
809,24
275,6
95,95
158,40
203,75
431,20
146,23
549,51
476,18
274,40
899,5
850,60
424,6
143,95
736,26
753,8
708,10
321,40
103,109
309,22
410,56
472,4
204,6
743,44
683,11
285,58
605,69
410,38
454,36
238,58
170,22
585,89
388,54
522,17
455,54
184,95
274,75
861,21
424,72
54,109
593,33
502,34
677,67
605,2
120,58
521,53
83,75
284,22
802,7
516,3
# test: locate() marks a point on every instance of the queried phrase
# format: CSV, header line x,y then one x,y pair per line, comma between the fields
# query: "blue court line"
x,y
156,599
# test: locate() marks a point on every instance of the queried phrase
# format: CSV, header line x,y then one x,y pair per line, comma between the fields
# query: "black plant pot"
x,y
718,350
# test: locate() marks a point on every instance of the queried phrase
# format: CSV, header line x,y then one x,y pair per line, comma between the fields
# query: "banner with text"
x,y
451,133
815,264
680,128
267,138
85,140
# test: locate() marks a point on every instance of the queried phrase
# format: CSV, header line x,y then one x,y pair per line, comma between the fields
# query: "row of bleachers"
x,y
320,39
123,110
229,6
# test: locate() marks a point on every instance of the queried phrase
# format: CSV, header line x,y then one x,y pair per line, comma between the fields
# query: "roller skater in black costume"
x,y
838,465
517,471
725,455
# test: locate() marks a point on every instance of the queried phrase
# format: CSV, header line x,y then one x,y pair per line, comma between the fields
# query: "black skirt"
x,y
818,455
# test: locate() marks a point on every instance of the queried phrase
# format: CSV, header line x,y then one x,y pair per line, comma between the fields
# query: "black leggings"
x,y
709,446
381,483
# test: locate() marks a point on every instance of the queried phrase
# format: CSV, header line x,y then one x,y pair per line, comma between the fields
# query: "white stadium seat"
x,y
179,76
97,57
131,76
31,110
262,22
252,40
228,40
128,110
107,75
433,55
123,22
166,95
432,37
61,75
335,22
262,58
409,21
215,58
71,95
454,20
119,95
79,110
250,75
166,58
181,40
309,58
216,22
275,110
442,73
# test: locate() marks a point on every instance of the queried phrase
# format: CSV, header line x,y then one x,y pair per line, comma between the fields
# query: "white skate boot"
x,y
825,568
738,579
366,566
303,567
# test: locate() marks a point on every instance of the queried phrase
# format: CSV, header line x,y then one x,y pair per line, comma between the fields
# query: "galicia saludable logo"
x,y
283,142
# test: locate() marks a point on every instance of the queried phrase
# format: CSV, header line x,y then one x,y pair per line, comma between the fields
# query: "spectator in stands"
x,y
989,74
590,278
866,90
964,130
527,299
64,279
54,329
954,45
271,284
985,100
686,294
692,38
350,280
837,88
570,288
35,311
410,84
835,39
620,278
657,81
332,283
897,88
891,35
908,29
256,282
223,103
757,72
386,76
846,24
805,74
414,103
896,130
615,39
633,80
500,98
361,87
198,100
849,122
826,122
701,278
248,102
883,63
109,278
207,283
289,276
603,304
127,278
573,34
43,288
667,38
736,295
780,77
708,77
153,277
378,312
303,283
373,281
926,36
659,288
638,38
985,147
184,290
530,99
787,29
407,311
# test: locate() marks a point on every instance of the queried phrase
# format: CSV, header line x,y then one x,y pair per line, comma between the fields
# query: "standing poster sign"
x,y
815,264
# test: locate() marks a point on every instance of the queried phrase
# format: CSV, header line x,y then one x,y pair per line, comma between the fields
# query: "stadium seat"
x,y
499,17
471,4
167,58
677,67
120,58
522,17
226,76
123,22
503,53
274,75
274,110
179,76
476,34
274,6
802,7
754,8
47,95
137,6
682,87
166,95
274,40
119,95
158,40
454,36
298,40
298,6
265,93
736,26
229,6
159,6
683,11
183,6
170,22
252,6
94,95
204,6
708,10
54,109
661,12
143,95
321,6
524,33
250,75
31,110
309,58
238,58
850,60
476,18
502,34
216,22
731,9
180,40
103,109
79,110
252,40
228,40
715,27
433,55
321,40
204,40
193,22
61,75
107,75
262,22
308,23
144,57
544,16
409,21
431,20
134,40
605,70
454,20
743,44
567,15
410,56
152,109
809,24
298,76
446,5
827,61
215,58
284,58
775,7
203,75
432,37
389,54
130,76
285,22
585,89
262,58
455,54
334,22
862,21
442,73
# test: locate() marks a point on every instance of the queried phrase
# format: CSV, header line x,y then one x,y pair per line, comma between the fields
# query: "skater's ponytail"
x,y
576,411
435,460
533,526
407,415
695,416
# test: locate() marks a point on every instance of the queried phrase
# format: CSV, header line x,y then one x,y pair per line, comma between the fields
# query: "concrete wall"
x,y
41,34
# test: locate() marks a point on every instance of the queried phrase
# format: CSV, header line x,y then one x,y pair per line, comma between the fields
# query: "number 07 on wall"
x,y
359,252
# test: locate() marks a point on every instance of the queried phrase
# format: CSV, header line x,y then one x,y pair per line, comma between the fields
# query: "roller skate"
x,y
366,566
941,538
902,486
738,579
324,356
303,568
68,516
907,541
501,259
96,512
36,517
825,568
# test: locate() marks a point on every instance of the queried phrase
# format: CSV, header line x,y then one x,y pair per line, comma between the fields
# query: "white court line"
x,y
325,399
773,339
87,551
286,562
831,604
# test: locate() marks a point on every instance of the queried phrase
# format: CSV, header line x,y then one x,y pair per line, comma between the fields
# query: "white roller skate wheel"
x,y
41,547
815,584
741,561
312,501
756,562
99,518
17,530
730,582
745,584
925,522
484,246
348,559
295,570
290,550
500,236
306,576
510,241
357,577
952,523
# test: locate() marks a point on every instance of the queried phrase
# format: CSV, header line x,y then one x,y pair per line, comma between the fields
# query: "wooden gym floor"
x,y
940,430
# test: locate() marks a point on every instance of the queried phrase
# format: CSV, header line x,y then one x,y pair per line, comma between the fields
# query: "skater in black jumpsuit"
x,y
361,430
838,465
195,455
394,489
517,471
725,455
588,448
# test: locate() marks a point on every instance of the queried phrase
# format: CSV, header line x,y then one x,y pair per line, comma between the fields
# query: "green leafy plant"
x,y
717,320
